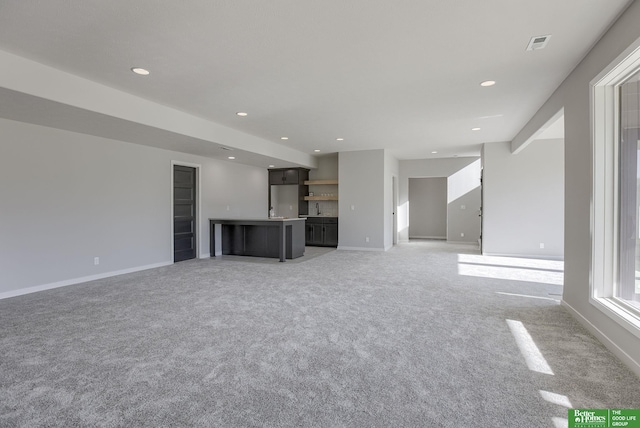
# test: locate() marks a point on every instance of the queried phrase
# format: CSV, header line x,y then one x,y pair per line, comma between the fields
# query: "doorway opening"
x,y
428,208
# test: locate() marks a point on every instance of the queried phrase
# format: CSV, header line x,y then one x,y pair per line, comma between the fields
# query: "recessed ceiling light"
x,y
488,83
339,139
284,138
475,129
231,157
434,152
140,71
241,113
316,150
272,166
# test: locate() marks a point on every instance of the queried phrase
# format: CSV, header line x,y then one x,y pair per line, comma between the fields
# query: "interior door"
x,y
184,213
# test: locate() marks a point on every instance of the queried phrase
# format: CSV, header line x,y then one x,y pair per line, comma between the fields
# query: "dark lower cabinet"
x,y
322,231
261,240
330,234
314,233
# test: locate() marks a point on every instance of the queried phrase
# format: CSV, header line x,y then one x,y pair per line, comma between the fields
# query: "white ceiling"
x,y
400,75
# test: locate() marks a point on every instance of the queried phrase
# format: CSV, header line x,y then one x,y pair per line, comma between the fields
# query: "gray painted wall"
x,y
69,197
574,95
524,200
428,208
463,189
362,200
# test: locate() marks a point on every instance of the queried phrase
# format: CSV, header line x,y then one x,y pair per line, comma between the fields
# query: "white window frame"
x,y
605,199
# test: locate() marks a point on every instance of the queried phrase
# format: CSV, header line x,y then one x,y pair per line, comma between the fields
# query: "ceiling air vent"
x,y
226,148
538,42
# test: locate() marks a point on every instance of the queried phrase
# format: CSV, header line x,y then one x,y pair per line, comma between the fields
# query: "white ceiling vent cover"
x,y
538,42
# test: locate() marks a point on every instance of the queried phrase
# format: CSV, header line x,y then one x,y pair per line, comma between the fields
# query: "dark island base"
x,y
261,238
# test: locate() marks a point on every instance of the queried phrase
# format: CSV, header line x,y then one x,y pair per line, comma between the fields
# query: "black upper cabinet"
x,y
288,176
275,177
291,176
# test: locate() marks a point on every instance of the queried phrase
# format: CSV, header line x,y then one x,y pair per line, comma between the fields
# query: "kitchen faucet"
x,y
317,209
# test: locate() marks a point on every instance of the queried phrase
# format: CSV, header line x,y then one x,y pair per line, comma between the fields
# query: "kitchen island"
x,y
282,238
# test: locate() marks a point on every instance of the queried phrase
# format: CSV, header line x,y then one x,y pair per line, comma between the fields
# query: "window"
x,y
628,285
615,220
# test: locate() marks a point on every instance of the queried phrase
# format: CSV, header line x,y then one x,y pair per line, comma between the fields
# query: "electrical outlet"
x,y
366,239
542,245
462,235
227,207
96,261
290,207
353,207
463,207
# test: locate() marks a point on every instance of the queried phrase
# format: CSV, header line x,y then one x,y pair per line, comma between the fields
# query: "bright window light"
x,y
560,422
528,348
512,268
559,399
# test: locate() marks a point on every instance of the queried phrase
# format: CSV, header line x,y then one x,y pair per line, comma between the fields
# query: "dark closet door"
x,y
184,213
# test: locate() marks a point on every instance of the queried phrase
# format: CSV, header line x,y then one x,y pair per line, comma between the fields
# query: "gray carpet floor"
x,y
334,339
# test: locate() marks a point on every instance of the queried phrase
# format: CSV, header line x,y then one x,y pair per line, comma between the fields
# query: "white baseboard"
x,y
463,242
340,247
204,256
427,237
36,288
608,343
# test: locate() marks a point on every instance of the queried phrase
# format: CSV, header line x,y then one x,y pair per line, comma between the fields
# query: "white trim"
x,y
428,237
36,288
449,241
341,247
205,256
608,343
198,168
619,313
